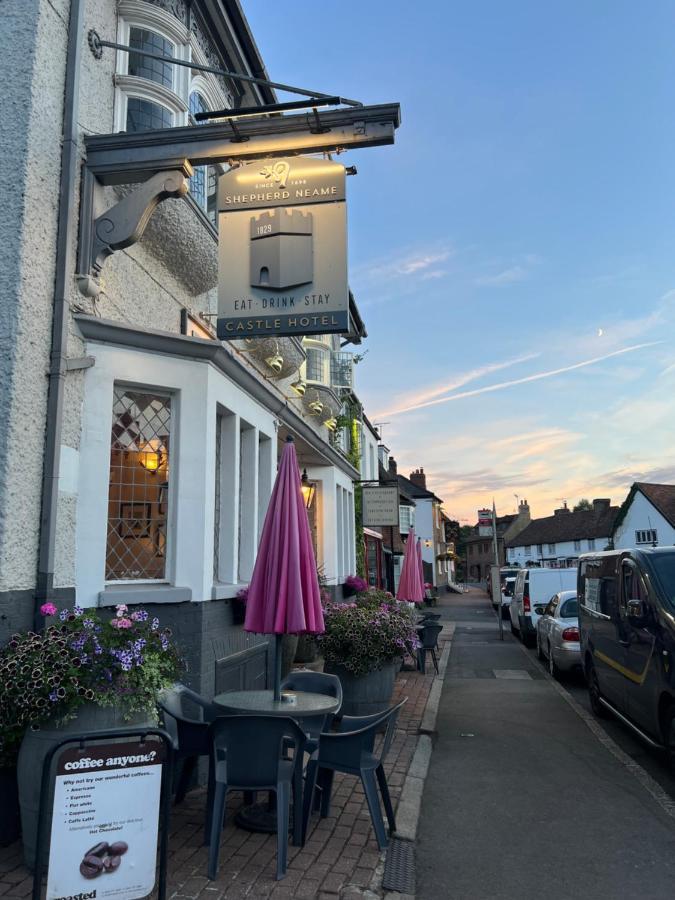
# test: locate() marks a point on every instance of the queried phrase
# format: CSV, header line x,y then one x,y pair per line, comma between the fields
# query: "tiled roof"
x,y
571,526
662,496
413,490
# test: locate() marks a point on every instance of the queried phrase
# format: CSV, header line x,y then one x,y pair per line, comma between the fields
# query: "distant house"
x,y
557,541
646,517
428,526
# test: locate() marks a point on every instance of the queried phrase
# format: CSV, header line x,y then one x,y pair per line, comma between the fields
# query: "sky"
x,y
512,253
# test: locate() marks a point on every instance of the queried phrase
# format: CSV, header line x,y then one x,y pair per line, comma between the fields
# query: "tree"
x,y
583,504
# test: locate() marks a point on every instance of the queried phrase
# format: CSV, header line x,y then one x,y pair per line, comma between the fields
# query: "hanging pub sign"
x,y
380,505
282,249
105,821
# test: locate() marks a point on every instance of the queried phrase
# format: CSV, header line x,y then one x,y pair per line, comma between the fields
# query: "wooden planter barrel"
x,y
365,694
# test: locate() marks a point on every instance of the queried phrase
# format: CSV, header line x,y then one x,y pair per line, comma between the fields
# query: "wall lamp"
x,y
308,489
275,362
299,387
316,406
150,457
331,424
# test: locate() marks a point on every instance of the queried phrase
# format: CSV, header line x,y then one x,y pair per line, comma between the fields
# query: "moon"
x,y
600,332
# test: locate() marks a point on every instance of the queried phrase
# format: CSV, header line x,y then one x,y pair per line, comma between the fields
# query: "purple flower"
x,y
88,624
54,697
48,609
63,615
78,610
155,624
140,615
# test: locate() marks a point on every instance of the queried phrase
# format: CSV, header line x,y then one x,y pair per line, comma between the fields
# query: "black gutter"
x,y
65,266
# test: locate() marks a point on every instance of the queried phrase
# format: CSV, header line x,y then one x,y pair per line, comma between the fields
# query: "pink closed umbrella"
x,y
283,596
420,565
410,587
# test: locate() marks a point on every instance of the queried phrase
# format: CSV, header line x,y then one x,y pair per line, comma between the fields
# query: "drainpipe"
x,y
65,241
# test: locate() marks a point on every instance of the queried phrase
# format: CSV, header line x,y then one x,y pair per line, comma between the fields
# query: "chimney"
x,y
419,479
564,509
524,510
393,468
601,505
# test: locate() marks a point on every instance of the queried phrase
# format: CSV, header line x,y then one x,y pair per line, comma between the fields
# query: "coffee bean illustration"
x,y
91,866
110,863
99,849
119,848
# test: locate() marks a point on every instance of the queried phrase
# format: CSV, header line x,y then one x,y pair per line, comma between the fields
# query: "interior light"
x,y
150,457
307,488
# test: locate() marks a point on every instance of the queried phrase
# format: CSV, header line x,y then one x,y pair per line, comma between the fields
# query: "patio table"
x,y
262,816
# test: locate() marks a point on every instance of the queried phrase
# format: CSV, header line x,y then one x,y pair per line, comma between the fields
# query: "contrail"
x,y
537,377
460,381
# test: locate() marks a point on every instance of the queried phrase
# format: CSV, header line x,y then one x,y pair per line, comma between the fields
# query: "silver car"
x,y
558,633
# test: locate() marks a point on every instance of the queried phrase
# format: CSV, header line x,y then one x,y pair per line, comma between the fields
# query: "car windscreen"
x,y
664,569
569,609
509,586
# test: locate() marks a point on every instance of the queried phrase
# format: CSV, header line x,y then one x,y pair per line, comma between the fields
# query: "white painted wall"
x,y
424,529
368,454
563,550
643,516
335,519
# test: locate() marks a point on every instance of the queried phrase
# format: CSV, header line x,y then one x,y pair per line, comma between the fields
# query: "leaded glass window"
x,y
143,115
316,365
139,486
144,66
198,180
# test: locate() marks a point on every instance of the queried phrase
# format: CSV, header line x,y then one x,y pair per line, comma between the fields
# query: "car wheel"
x,y
594,694
553,669
540,652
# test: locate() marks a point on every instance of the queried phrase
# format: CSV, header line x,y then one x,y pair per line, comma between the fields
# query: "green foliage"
x,y
124,662
365,635
583,504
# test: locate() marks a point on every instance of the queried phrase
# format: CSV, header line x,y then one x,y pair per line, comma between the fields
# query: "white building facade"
x,y
647,517
167,441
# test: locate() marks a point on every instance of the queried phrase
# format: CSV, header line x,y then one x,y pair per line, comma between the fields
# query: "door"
x,y
642,677
608,637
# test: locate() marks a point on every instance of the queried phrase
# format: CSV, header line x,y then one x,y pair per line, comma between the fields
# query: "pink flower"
x,y
121,623
120,610
48,609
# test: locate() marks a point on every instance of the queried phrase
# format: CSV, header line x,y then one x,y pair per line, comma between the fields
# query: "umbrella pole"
x,y
277,667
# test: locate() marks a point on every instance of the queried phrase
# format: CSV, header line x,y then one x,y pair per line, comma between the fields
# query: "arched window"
x,y
204,183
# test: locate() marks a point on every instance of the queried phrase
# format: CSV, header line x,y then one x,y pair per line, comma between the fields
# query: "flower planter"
x,y
37,742
347,591
10,822
365,694
307,649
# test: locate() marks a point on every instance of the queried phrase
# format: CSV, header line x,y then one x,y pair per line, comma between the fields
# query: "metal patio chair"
x,y
315,683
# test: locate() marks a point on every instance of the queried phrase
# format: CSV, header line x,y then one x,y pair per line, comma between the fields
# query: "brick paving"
x,y
340,856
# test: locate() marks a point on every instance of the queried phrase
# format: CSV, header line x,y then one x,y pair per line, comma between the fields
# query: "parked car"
x,y
506,575
627,630
508,587
534,588
558,634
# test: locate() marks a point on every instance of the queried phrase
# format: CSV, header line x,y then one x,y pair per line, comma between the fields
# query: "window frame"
x,y
169,554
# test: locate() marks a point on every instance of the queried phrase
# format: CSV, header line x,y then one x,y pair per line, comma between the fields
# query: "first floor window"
x,y
551,548
591,543
138,496
144,66
144,115
577,545
646,536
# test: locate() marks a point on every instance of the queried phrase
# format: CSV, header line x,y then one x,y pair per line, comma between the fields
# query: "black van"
x,y
627,627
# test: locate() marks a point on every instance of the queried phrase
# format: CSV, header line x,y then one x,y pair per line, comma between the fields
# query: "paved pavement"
x,y
527,796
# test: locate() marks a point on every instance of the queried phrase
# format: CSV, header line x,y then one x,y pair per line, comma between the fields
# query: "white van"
x,y
534,588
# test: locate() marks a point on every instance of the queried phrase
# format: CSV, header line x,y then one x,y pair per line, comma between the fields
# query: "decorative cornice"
x,y
105,331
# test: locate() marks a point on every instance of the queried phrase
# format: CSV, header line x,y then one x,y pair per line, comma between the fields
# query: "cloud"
x,y
418,400
508,276
404,264
538,376
670,368
434,273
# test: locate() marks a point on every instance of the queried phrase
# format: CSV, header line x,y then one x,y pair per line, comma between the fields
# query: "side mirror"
x,y
637,612
540,610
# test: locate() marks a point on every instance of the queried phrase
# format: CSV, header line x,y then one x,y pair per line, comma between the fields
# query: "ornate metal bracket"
x,y
124,223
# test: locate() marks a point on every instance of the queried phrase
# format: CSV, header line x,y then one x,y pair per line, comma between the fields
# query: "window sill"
x,y
226,591
144,593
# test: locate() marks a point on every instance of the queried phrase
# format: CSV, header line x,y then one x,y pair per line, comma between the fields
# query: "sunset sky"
x,y
512,253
